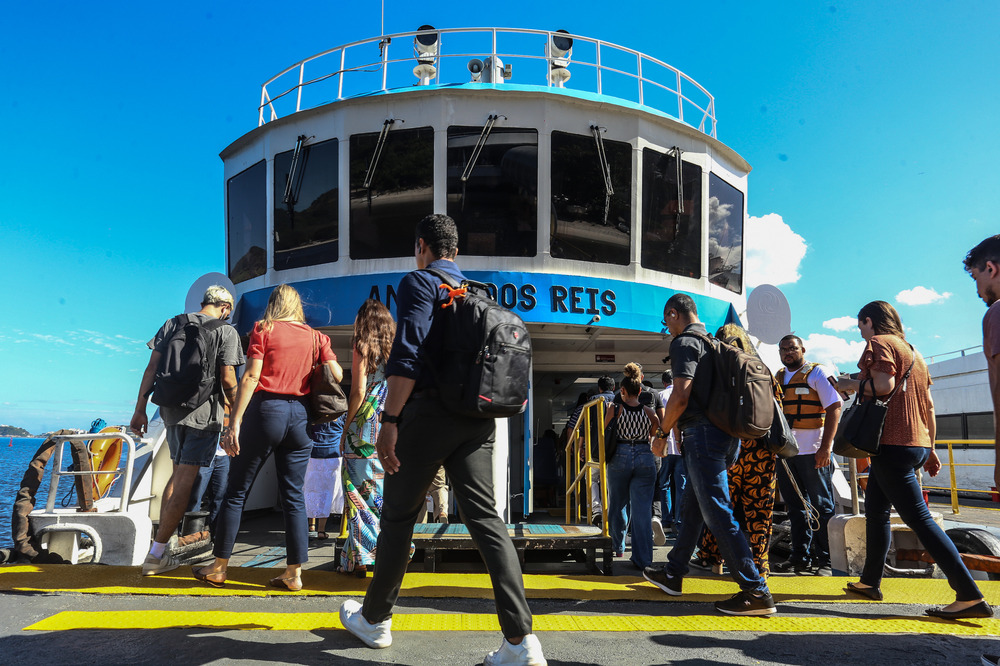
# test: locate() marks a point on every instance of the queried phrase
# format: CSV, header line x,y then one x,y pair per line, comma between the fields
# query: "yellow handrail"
x,y
951,469
580,466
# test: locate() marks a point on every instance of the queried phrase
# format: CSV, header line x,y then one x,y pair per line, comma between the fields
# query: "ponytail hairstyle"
x,y
885,319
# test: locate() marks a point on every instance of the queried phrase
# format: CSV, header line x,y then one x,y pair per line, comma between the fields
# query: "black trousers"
x,y
431,436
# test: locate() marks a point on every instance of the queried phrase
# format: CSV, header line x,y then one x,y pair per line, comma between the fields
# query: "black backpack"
x,y
186,376
739,398
486,354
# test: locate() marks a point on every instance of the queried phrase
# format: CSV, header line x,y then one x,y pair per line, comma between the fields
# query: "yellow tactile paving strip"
x,y
253,581
145,620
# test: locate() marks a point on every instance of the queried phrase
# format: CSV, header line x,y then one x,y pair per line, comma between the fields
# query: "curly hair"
x,y
735,336
374,330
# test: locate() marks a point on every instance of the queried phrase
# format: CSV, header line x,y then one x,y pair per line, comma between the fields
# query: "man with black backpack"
x,y
424,426
191,370
708,453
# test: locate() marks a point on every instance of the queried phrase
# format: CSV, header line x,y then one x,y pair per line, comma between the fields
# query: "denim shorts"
x,y
191,446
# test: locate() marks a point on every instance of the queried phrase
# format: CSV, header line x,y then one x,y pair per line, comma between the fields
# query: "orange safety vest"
x,y
803,409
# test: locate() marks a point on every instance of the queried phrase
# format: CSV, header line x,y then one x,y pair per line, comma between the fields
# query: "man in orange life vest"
x,y
812,406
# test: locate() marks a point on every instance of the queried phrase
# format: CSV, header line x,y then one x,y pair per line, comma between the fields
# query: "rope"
x,y
812,515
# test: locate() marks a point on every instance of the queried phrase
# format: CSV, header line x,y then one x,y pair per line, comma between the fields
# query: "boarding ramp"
x,y
576,539
119,530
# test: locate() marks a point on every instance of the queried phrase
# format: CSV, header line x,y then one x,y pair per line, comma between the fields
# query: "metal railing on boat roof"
x,y
594,66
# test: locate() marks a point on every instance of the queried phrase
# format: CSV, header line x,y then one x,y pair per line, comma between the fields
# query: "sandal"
x,y
322,536
199,574
292,583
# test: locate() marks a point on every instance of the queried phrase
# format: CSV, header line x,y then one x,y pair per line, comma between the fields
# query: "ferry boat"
x,y
586,179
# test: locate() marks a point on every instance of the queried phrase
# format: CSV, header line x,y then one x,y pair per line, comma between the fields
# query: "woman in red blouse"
x,y
907,445
270,416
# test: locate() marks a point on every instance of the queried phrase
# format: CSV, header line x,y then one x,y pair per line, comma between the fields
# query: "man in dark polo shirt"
x,y
419,434
708,453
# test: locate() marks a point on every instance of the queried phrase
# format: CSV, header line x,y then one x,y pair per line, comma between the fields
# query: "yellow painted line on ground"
x,y
144,620
252,581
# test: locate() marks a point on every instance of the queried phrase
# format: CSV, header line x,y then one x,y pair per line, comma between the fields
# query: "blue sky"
x,y
871,129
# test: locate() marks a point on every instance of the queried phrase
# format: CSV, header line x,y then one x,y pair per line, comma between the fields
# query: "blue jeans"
x,y
273,423
817,487
892,482
708,454
670,483
631,474
210,489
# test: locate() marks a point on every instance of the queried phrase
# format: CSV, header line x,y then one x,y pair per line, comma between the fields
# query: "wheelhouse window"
x,y
305,205
591,198
725,234
246,203
390,193
493,190
671,215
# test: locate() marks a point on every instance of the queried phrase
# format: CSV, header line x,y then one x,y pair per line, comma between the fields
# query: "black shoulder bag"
x,y
859,434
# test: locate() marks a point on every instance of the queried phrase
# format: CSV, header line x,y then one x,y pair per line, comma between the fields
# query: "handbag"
x,y
327,400
859,433
779,440
611,435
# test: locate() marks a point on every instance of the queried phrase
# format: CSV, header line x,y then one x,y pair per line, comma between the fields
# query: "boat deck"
x,y
103,614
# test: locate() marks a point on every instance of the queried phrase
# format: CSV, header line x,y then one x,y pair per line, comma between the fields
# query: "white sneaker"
x,y
659,536
528,653
372,635
157,565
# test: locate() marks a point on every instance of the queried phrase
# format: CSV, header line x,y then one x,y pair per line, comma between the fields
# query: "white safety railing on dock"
x,y
594,66
124,470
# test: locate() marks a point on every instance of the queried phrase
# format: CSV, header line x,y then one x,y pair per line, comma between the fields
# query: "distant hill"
x,y
13,431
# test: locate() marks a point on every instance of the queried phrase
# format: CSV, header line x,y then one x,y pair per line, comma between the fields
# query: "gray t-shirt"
x,y
208,416
686,358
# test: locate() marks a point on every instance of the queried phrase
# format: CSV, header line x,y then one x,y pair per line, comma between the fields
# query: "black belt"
x,y
634,442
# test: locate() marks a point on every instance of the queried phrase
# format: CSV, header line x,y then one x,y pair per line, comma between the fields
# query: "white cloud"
x,y
774,251
921,296
841,324
834,352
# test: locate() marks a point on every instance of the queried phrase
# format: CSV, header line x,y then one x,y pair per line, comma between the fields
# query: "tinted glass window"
x,y
305,206
495,207
246,201
725,234
671,237
401,191
980,426
588,223
949,427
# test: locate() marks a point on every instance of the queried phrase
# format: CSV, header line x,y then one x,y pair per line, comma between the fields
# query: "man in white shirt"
x,y
812,406
671,477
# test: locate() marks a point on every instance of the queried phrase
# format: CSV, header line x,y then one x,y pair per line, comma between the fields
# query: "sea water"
x,y
15,455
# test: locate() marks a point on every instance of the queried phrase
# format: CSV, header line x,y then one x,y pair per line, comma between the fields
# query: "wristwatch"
x,y
388,418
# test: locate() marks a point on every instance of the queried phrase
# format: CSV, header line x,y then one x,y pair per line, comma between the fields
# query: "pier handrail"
x,y
580,466
673,81
58,471
953,488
